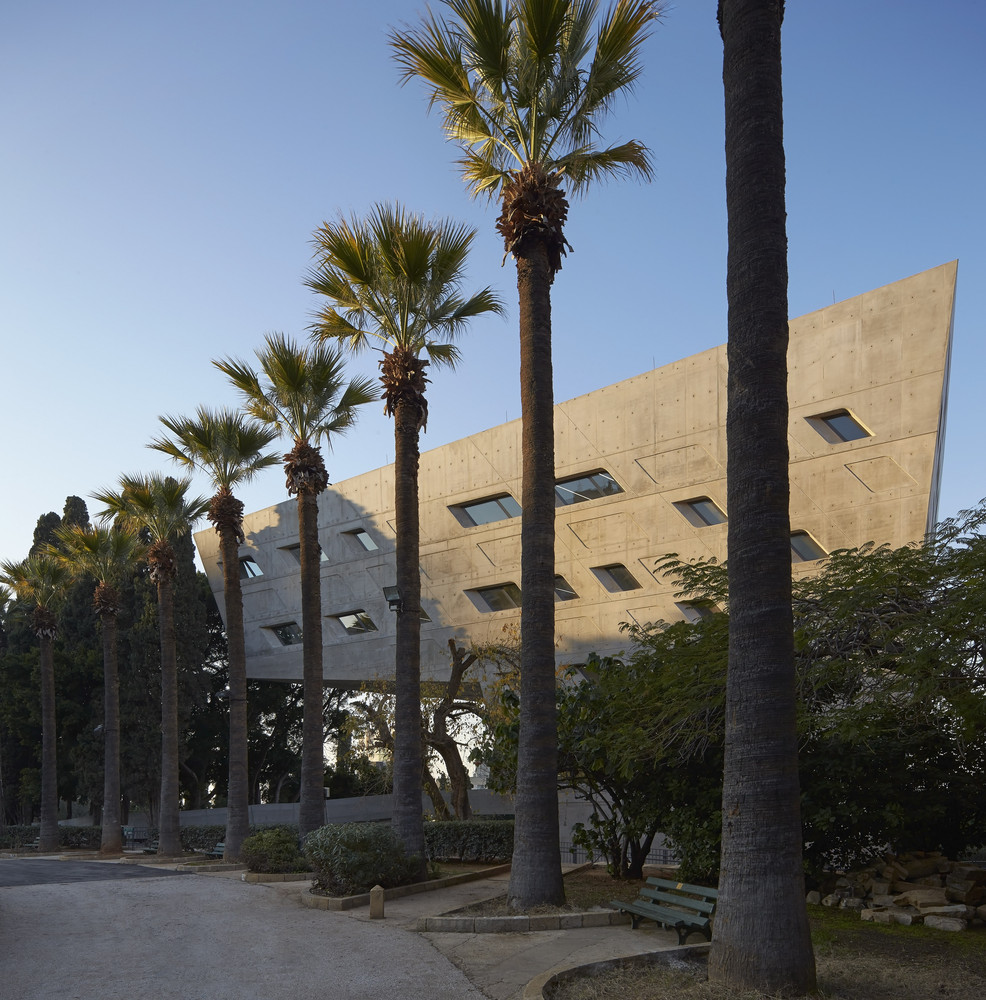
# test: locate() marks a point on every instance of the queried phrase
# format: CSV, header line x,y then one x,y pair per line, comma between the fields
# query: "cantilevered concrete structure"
x,y
641,471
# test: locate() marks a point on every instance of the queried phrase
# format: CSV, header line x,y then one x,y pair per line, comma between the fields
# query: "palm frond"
x,y
157,504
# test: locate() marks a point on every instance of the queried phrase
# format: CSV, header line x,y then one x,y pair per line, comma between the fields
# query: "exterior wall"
x,y
882,356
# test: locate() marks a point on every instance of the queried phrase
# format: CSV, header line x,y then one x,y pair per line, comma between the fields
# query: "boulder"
x,y
945,923
922,898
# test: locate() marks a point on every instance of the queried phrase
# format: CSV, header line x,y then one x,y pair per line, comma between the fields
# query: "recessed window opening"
x,y
701,512
616,577
804,548
695,611
249,570
356,622
288,633
295,551
563,590
486,511
579,489
502,597
838,427
363,539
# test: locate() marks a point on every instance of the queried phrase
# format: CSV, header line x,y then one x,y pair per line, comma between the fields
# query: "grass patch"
x,y
855,961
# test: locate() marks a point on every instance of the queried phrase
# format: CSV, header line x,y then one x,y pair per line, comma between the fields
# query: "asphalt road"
x,y
100,931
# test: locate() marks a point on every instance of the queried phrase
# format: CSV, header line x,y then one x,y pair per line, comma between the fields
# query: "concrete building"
x,y
641,472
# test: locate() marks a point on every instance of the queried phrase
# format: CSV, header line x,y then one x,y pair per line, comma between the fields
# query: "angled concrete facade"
x,y
641,467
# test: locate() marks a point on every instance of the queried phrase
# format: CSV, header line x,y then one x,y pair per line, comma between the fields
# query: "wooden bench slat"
x,y
702,905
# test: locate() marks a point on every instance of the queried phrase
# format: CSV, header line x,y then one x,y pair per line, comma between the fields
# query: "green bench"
x,y
218,851
675,905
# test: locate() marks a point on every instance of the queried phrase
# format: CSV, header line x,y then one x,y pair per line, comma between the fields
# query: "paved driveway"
x,y
124,936
50,871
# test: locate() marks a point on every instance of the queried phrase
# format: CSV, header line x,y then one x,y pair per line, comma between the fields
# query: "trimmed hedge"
x,y
13,837
349,858
273,851
486,840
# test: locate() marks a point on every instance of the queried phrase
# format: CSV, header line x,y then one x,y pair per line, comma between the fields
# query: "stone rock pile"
x,y
916,888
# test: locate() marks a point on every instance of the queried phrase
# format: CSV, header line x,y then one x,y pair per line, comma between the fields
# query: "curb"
x,y
534,990
363,899
506,925
218,866
274,877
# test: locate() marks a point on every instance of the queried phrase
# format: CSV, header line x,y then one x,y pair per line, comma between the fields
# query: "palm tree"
x,y
303,393
524,87
761,932
106,555
41,581
395,279
161,507
230,449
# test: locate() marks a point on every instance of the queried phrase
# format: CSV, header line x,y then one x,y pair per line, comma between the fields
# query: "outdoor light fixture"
x,y
394,599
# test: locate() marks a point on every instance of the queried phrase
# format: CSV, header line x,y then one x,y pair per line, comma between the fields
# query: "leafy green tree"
x,y
106,555
163,509
524,87
40,582
229,448
302,392
395,279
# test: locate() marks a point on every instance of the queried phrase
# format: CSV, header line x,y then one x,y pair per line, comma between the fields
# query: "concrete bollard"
x,y
376,903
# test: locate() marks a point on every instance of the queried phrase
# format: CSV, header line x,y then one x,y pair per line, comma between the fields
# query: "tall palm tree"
x,y
106,555
761,933
302,392
395,279
161,507
229,448
524,85
41,581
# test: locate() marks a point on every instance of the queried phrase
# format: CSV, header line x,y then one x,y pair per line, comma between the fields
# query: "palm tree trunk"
x,y
536,874
312,810
408,758
169,839
111,841
761,929
237,801
48,836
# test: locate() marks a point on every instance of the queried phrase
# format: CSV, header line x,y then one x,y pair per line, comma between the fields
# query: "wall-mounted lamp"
x,y
394,599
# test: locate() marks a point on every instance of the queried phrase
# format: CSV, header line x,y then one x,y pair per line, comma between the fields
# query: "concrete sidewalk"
x,y
214,937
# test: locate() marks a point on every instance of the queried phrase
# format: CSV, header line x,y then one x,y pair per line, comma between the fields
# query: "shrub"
x,y
350,858
201,838
273,851
470,840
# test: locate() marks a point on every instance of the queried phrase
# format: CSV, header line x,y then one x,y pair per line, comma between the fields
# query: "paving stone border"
x,y
537,922
534,990
363,899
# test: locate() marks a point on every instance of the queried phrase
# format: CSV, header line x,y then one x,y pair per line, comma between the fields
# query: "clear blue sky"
x,y
164,166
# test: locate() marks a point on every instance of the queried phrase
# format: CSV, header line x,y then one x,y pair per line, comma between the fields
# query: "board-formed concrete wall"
x,y
881,358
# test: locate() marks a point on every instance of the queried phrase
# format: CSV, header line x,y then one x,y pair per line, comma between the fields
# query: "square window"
x,y
804,548
838,427
356,622
288,633
363,539
579,489
701,512
502,597
487,511
616,577
563,590
249,570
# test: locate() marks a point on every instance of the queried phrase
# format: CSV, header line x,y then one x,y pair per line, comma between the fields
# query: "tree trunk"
x,y
237,803
48,836
761,938
169,840
408,758
535,877
438,802
111,841
312,812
